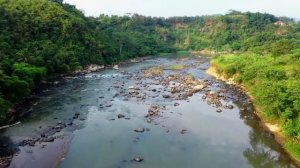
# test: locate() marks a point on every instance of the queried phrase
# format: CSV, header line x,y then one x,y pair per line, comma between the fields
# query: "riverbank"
x,y
168,102
230,74
272,127
23,107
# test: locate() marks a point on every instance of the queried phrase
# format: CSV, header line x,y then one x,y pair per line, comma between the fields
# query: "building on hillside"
x,y
280,23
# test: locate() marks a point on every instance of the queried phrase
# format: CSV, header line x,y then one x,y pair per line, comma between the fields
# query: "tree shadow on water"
x,y
264,151
7,147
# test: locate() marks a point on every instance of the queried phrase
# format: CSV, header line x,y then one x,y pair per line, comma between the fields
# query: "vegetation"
x,y
41,38
154,71
268,65
274,82
176,67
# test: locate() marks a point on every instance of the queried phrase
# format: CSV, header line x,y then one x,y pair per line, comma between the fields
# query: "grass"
x,y
177,67
166,54
154,71
293,148
178,54
183,53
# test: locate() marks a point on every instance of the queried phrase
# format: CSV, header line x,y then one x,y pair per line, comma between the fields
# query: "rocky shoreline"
x,y
160,82
22,107
47,134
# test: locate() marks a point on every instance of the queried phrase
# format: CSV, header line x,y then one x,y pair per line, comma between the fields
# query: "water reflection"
x,y
264,151
227,139
7,147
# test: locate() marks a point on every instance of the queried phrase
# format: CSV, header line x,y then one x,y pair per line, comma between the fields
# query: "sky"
x,y
167,8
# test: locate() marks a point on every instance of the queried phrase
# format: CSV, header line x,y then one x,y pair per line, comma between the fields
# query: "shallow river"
x,y
81,115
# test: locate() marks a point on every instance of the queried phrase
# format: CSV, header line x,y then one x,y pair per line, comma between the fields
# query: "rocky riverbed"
x,y
162,112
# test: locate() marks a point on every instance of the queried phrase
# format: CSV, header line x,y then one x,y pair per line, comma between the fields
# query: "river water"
x,y
189,134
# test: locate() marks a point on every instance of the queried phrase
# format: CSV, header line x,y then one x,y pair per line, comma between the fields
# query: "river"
x,y
103,120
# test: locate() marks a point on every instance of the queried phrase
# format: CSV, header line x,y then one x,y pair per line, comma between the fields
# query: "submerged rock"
x,y
48,139
166,96
139,130
108,105
121,116
229,106
138,159
183,131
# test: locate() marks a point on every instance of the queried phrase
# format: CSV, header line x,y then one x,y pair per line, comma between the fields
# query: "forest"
x,y
45,38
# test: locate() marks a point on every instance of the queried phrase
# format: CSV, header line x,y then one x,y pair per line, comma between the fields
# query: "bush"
x,y
276,92
4,105
29,73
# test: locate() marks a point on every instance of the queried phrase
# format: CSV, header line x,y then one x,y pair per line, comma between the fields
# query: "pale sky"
x,y
166,8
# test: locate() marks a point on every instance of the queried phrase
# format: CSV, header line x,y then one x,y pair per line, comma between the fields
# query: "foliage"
x,y
273,84
293,147
176,67
41,38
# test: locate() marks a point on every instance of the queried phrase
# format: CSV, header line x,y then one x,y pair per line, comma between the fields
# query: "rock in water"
x,y
138,159
139,130
166,96
183,131
198,88
176,104
121,116
229,106
153,110
116,67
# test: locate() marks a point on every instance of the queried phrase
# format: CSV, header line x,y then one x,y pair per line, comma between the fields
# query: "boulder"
x,y
198,88
116,67
121,116
138,159
166,96
139,130
153,110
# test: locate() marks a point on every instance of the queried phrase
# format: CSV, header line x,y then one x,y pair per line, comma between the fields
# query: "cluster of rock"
x,y
47,134
153,110
180,88
89,69
153,72
5,161
154,84
214,98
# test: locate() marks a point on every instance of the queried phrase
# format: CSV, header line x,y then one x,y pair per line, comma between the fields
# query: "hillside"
x,y
40,39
